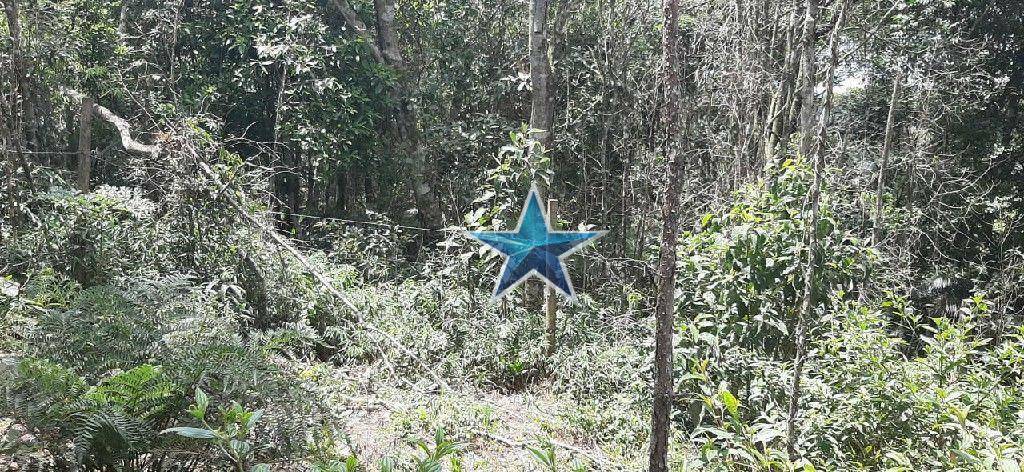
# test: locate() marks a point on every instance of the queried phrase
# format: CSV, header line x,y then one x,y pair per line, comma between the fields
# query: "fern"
x,y
43,392
142,391
100,332
107,440
111,424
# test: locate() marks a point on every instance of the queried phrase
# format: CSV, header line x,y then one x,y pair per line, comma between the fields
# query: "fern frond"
x,y
106,440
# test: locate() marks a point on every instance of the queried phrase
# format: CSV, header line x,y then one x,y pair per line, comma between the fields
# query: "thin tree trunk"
x,y
122,17
886,149
12,197
807,73
665,311
792,97
85,144
420,171
818,127
541,118
21,105
18,71
31,134
1011,104
550,297
776,126
172,48
540,71
921,132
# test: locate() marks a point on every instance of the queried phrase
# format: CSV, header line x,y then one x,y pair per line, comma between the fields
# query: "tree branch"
x,y
123,128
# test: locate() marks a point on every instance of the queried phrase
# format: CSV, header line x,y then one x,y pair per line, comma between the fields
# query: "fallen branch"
x,y
123,128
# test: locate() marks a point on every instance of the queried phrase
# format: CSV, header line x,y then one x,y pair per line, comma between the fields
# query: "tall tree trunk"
x,y
9,167
355,195
19,74
420,171
807,73
665,310
85,144
285,184
385,50
886,149
540,71
1011,106
540,136
817,128
792,101
21,106
777,128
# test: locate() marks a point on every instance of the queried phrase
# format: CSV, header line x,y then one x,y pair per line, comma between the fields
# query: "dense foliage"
x,y
264,266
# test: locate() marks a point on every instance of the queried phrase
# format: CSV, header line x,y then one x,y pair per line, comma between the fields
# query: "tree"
x,y
21,108
661,413
817,127
807,73
22,79
778,122
886,149
406,123
84,144
540,71
540,133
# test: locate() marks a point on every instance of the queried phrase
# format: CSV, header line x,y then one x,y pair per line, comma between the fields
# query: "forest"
x,y
250,235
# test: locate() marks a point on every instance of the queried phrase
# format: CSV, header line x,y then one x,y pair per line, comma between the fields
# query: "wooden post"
x,y
550,297
84,137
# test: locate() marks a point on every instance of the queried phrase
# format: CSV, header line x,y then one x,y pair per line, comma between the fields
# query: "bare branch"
x,y
123,128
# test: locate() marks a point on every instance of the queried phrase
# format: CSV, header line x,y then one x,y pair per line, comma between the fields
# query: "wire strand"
x,y
370,223
25,151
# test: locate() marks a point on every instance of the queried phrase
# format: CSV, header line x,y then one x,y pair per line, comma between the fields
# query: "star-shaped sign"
x,y
534,249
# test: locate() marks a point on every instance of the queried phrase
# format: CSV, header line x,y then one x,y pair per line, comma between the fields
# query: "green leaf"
x,y
202,402
188,432
731,403
256,415
429,465
241,448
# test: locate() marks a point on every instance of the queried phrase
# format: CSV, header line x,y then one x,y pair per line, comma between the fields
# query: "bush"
x,y
113,292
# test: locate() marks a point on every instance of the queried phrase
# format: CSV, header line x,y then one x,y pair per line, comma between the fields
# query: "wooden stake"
x,y
550,297
84,138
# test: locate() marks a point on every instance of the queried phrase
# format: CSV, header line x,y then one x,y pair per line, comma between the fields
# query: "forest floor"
x,y
495,431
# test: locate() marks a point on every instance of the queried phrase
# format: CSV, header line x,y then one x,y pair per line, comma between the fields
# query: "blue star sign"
x,y
534,249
